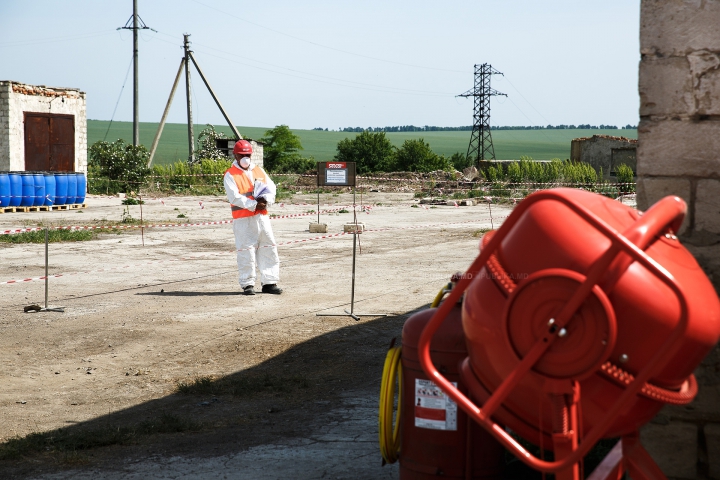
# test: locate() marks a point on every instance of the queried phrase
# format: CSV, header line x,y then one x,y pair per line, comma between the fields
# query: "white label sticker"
x,y
434,409
336,176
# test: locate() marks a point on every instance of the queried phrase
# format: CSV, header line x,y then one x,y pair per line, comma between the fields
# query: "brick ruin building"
x,y
42,128
604,152
679,154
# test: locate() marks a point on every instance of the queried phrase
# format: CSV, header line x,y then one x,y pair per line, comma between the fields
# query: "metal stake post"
x,y
46,309
351,313
46,267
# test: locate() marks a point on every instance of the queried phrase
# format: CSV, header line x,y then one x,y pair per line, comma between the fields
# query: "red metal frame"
x,y
666,213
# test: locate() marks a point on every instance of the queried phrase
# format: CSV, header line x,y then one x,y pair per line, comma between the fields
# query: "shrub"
x,y
416,156
208,147
281,148
370,151
125,165
460,161
625,178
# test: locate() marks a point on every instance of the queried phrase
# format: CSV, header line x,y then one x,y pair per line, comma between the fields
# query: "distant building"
x,y
606,152
226,146
42,128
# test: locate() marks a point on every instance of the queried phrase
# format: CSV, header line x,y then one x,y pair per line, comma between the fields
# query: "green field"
x,y
509,144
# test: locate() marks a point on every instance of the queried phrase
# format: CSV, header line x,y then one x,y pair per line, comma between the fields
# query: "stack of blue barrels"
x,y
33,189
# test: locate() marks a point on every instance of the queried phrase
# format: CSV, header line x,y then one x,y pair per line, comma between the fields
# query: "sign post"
x,y
342,174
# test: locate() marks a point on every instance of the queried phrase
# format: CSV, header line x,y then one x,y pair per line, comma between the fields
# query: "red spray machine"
x,y
437,439
582,318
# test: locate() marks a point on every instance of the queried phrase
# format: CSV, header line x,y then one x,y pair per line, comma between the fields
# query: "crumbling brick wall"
x,y
679,154
17,98
604,152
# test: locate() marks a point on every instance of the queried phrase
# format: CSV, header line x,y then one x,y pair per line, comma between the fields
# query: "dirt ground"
x,y
271,389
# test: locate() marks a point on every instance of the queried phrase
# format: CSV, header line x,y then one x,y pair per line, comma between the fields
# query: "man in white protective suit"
x,y
254,240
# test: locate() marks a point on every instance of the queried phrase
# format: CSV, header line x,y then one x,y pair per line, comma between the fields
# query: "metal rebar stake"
x,y
46,267
46,309
351,313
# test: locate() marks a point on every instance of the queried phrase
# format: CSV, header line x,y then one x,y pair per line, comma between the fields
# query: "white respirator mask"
x,y
245,162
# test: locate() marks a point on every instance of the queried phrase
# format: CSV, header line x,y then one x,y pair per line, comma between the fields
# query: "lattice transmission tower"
x,y
481,147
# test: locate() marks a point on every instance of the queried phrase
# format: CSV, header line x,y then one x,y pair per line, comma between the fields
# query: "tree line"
x,y
431,128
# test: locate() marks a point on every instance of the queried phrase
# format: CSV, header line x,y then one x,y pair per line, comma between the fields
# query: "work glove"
x,y
261,204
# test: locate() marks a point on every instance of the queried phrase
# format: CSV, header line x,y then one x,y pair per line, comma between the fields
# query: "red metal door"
x,y
62,143
37,142
49,142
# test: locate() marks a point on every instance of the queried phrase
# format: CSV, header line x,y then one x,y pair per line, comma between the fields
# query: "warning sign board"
x,y
336,174
434,409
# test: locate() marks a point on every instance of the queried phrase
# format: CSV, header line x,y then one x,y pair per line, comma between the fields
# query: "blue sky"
x,y
337,63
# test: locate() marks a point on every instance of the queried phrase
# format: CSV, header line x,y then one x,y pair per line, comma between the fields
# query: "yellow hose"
x,y
389,435
438,298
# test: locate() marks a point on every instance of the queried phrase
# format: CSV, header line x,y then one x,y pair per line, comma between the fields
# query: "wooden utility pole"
x,y
136,100
191,135
137,24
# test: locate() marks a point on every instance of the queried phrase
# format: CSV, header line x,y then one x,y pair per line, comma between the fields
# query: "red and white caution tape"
x,y
195,257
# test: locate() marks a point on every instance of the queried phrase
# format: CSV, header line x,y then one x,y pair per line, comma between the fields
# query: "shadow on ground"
x,y
279,398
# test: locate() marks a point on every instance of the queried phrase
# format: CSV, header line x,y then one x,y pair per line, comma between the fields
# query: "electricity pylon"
x,y
481,147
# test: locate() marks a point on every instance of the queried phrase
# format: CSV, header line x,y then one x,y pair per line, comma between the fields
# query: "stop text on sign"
x,y
336,165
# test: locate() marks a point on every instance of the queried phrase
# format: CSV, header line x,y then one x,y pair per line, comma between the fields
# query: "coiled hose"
x,y
389,434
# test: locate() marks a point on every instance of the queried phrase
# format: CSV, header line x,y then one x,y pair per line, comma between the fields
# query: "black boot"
x,y
271,288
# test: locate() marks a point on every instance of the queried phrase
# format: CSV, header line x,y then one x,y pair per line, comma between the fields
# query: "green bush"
x,y
281,148
295,164
208,146
125,166
416,156
370,151
203,177
625,177
460,161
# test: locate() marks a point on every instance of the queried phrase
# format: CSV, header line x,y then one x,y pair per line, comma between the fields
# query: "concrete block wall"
x,y
17,98
5,92
679,154
597,151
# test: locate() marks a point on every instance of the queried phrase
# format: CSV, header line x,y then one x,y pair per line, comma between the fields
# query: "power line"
x,y
118,100
65,38
325,46
329,80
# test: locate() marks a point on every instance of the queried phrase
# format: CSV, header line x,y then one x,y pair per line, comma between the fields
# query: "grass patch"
x,y
344,210
242,386
481,232
54,236
70,441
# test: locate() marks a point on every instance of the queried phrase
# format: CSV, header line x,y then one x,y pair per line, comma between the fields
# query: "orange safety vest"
x,y
246,187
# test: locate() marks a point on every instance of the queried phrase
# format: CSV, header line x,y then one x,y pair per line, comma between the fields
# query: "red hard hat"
x,y
243,148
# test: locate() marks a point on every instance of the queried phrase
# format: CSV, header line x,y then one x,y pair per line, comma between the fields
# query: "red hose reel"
x,y
582,318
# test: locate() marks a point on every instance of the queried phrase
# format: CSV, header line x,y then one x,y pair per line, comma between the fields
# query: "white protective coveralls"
x,y
253,233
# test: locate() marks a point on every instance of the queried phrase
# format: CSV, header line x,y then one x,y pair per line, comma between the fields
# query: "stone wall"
x,y
604,152
17,98
679,154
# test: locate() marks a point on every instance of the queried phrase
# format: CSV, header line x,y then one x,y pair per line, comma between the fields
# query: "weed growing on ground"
x,y
481,232
243,385
70,442
54,236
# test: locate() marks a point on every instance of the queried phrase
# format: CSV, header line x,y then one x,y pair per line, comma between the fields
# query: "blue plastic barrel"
x,y
72,188
50,188
39,192
61,188
4,189
28,189
81,187
15,189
